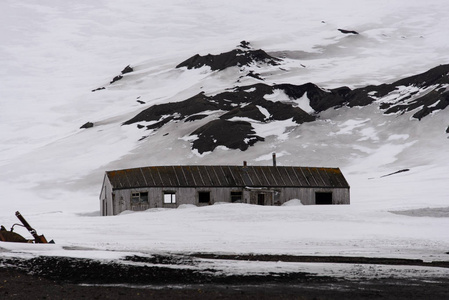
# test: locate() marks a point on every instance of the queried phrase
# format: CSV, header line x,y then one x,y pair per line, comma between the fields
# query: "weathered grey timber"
x,y
170,186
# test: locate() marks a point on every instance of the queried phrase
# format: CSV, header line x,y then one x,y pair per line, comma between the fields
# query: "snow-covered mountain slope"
x,y
242,108
365,102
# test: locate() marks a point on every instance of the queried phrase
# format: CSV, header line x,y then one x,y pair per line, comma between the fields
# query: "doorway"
x,y
323,198
203,197
260,199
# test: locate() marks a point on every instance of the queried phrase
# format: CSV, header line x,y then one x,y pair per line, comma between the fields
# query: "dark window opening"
x,y
169,197
144,196
261,199
203,197
236,196
137,197
323,198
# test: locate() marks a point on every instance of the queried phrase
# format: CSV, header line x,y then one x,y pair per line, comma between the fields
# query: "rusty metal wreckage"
x,y
11,236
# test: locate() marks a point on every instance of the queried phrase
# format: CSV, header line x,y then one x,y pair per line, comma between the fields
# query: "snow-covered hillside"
x,y
58,61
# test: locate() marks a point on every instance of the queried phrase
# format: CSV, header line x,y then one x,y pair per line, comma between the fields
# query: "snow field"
x,y
53,54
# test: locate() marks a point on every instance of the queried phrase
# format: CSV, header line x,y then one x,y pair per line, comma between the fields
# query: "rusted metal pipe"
x,y
37,238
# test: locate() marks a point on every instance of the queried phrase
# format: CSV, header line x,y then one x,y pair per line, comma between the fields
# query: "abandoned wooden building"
x,y
139,189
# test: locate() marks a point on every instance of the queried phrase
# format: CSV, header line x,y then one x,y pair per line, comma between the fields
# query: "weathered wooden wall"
x,y
120,200
156,197
307,195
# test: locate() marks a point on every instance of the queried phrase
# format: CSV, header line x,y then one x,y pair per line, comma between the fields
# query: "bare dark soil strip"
x,y
328,259
143,271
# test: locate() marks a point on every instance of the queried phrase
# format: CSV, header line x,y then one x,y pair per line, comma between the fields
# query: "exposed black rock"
x,y
98,89
428,93
421,94
141,102
195,118
397,172
362,96
447,129
127,69
116,78
160,123
435,76
282,111
249,111
235,102
245,45
233,135
320,99
87,125
241,102
348,31
254,75
237,57
179,110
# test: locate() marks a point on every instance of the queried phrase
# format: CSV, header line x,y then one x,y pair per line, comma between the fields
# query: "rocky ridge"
x,y
239,108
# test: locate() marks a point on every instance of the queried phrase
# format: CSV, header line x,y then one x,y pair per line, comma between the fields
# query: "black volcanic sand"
x,y
71,278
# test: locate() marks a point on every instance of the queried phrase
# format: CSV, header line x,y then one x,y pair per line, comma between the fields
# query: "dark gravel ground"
x,y
137,278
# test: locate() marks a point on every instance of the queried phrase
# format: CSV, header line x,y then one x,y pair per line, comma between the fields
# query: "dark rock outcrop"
x,y
127,69
397,172
233,135
116,78
427,92
195,118
241,102
178,110
87,125
245,45
161,123
249,111
243,56
320,99
236,108
254,75
99,89
348,31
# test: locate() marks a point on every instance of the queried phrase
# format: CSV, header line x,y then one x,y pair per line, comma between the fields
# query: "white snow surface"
x,y
53,53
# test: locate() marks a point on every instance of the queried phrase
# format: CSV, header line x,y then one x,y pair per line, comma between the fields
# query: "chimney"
x,y
245,163
274,159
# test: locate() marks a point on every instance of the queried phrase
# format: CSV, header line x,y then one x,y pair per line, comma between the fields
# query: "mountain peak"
x,y
243,55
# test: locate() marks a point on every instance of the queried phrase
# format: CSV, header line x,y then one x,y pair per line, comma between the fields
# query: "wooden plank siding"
x,y
278,184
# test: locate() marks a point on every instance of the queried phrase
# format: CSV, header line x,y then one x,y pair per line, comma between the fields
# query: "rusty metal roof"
x,y
226,176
